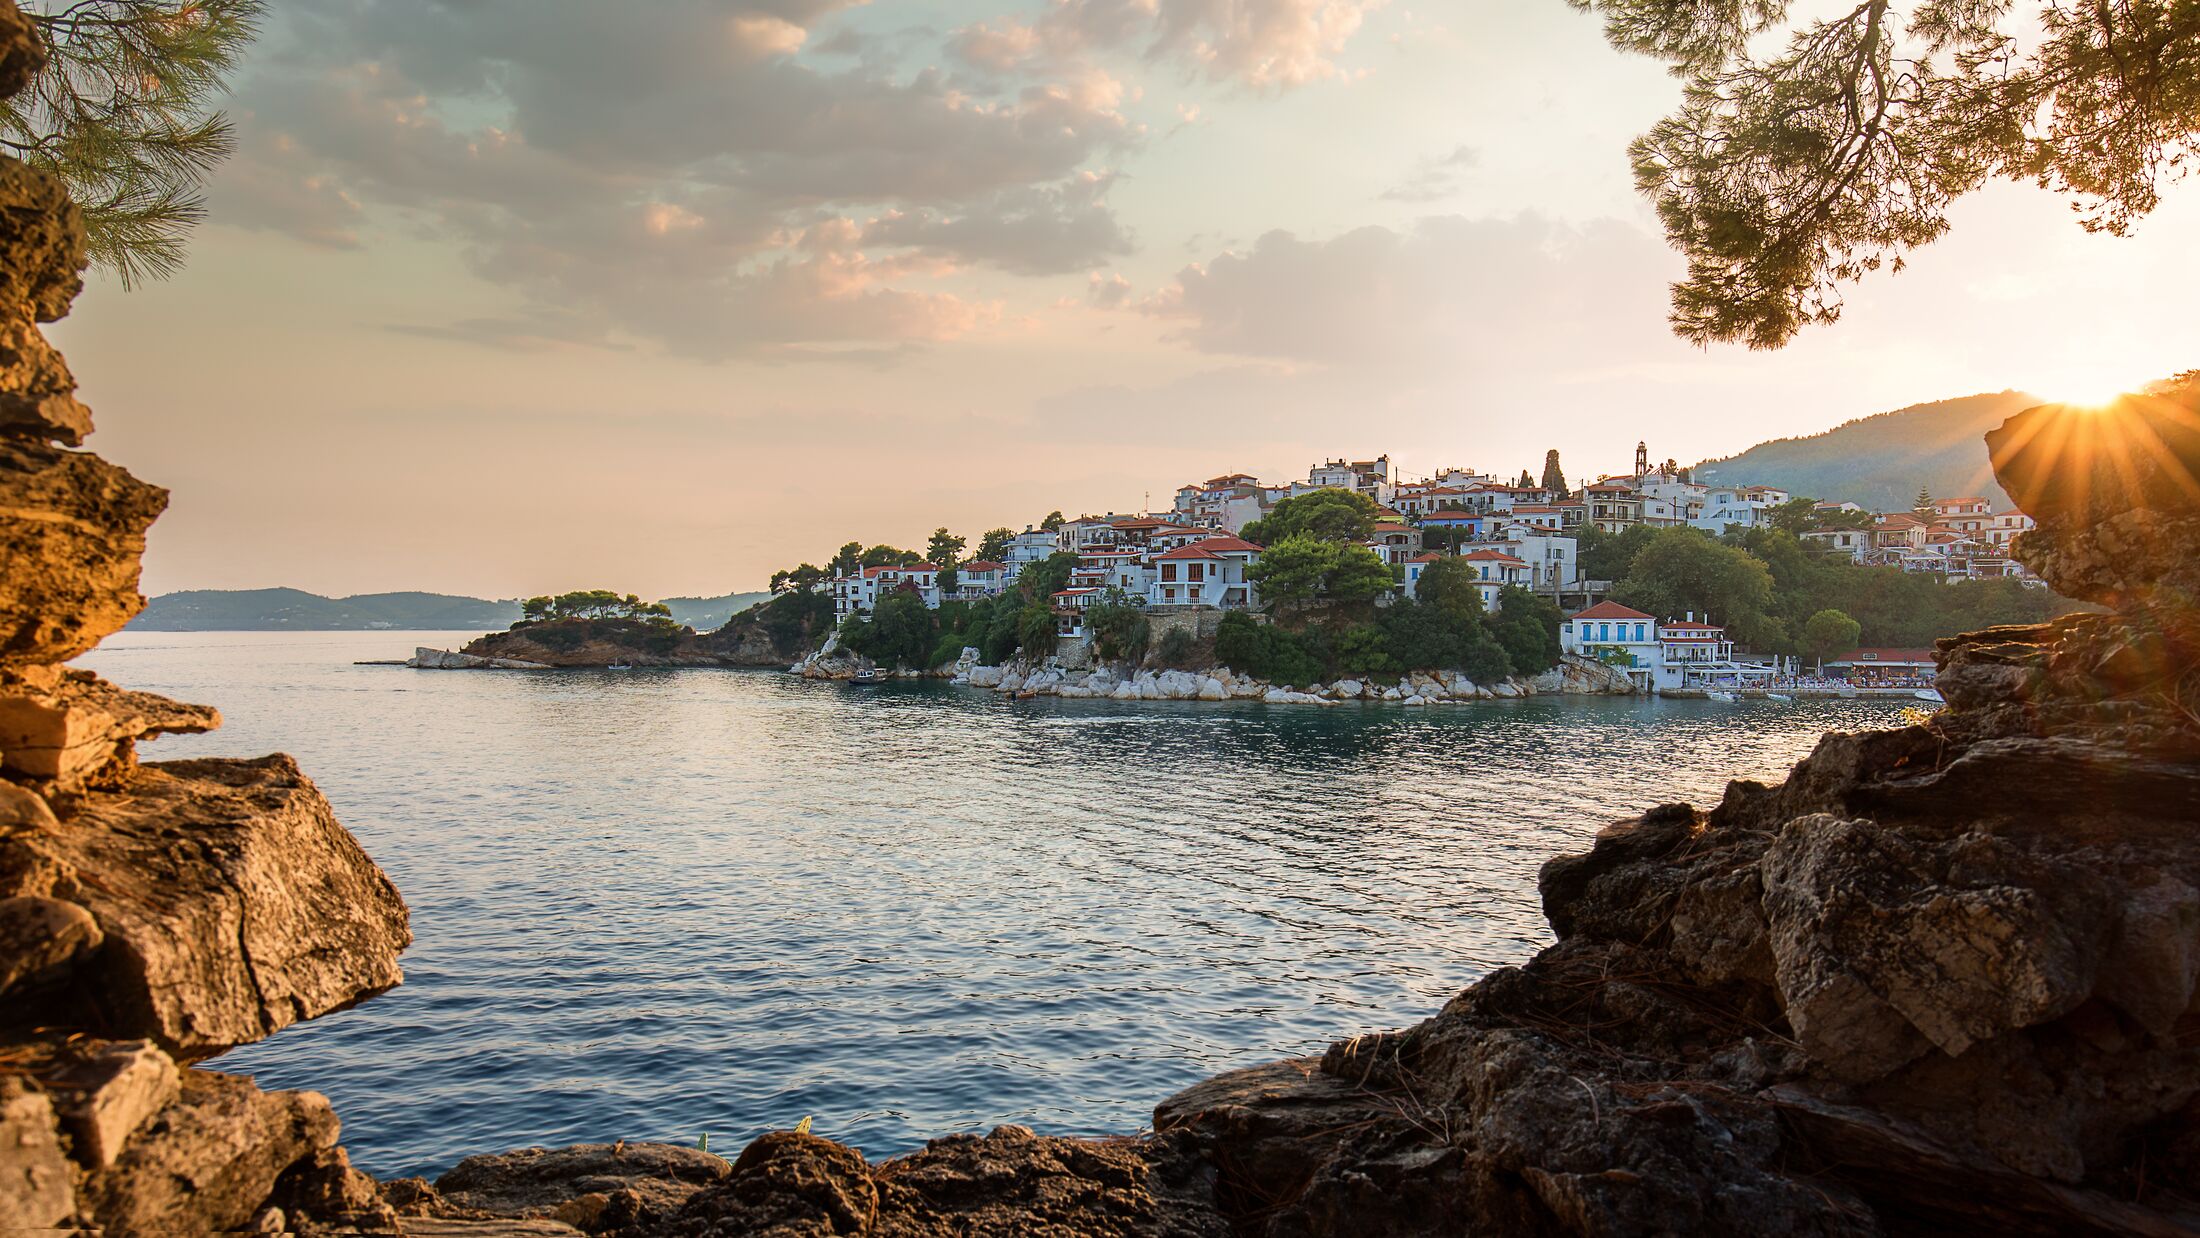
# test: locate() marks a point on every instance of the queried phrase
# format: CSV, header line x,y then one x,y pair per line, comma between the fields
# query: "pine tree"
x,y
1553,480
120,113
1923,508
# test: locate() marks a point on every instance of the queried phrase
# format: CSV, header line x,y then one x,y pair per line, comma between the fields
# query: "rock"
x,y
24,809
42,940
2111,492
985,676
232,902
323,1189
111,1094
2153,968
87,728
36,388
1348,689
42,236
209,1160
1276,696
446,660
36,1182
535,1182
1504,689
72,527
1415,700
21,54
1212,689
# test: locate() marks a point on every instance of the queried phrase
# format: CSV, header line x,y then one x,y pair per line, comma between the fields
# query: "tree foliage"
x,y
945,548
798,579
1303,572
1684,570
1329,515
121,113
1827,633
1807,153
993,547
1554,478
593,604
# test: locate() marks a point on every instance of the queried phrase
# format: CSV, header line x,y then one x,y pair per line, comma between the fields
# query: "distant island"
x,y
295,610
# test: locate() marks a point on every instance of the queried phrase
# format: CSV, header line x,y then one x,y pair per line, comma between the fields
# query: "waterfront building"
x,y
1205,573
860,593
980,578
1618,636
1884,668
1026,548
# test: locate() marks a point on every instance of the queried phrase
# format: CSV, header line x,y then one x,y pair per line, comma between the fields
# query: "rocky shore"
x,y
1942,978
1126,682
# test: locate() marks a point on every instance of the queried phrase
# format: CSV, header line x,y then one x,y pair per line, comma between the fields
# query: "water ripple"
x,y
652,904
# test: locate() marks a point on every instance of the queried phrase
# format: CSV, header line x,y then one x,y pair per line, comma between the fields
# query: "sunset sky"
x,y
515,296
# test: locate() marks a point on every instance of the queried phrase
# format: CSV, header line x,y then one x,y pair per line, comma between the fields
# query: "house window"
x,y
1168,572
1604,631
1195,571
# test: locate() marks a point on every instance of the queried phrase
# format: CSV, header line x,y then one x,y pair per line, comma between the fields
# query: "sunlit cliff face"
x,y
673,295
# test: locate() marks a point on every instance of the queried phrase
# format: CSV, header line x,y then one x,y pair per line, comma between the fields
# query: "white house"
x,y
1205,573
1493,570
1413,569
1026,548
1617,635
1550,556
860,593
1855,543
980,578
1747,506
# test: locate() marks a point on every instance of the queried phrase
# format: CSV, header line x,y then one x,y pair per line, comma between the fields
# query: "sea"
x,y
679,904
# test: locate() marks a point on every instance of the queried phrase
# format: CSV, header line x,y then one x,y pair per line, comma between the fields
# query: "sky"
x,y
506,297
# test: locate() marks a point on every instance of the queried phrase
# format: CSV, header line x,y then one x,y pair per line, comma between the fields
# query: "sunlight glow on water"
x,y
650,904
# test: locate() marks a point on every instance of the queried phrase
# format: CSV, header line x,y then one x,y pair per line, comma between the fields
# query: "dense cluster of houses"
x,y
1512,532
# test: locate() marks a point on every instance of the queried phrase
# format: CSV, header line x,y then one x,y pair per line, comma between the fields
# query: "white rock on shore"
x,y
445,660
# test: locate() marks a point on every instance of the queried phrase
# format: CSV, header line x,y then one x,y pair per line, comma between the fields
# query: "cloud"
x,y
670,171
1436,296
1263,44
1434,179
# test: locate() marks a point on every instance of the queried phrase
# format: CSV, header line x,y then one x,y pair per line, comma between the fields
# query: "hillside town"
x,y
1513,533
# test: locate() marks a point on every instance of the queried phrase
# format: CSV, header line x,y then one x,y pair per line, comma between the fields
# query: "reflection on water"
x,y
651,904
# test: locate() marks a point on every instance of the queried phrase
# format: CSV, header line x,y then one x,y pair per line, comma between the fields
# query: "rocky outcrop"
x,y
427,659
1573,676
149,915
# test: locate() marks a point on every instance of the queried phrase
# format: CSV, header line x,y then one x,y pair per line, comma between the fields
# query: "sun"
x,y
2087,389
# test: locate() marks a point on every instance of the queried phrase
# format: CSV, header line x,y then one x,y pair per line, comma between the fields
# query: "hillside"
x,y
710,614
279,610
1881,461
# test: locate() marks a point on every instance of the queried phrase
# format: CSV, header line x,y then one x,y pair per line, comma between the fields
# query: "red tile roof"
x,y
914,567
1210,548
1495,556
1425,557
1609,610
983,565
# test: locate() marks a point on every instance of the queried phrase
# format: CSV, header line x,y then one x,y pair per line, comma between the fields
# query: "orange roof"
x,y
1388,527
1425,557
1610,610
983,565
914,567
1210,548
1495,556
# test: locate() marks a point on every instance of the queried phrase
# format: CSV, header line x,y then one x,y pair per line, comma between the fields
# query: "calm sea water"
x,y
654,904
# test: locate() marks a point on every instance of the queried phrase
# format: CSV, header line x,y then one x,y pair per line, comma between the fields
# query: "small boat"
x,y
866,678
1847,694
618,666
1779,696
1720,694
1930,694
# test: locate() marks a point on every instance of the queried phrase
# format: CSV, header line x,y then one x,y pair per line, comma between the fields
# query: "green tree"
x,y
888,556
1554,479
1040,581
1450,584
1797,516
847,561
1683,570
1053,522
944,549
1922,506
1302,572
1599,555
1526,627
797,579
1119,627
1788,174
121,113
993,547
1829,632
1329,515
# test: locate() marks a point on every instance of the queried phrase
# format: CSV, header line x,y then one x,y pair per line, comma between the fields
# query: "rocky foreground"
x,y
1942,978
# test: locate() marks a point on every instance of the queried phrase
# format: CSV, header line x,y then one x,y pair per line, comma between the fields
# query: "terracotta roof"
x,y
914,567
1210,548
1388,527
1425,557
983,565
1496,556
1609,610
1447,515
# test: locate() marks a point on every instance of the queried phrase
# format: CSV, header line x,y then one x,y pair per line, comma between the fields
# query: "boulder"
x,y
1212,689
536,1182
42,940
72,528
110,1093
232,904
86,728
41,235
208,1161
36,388
37,1189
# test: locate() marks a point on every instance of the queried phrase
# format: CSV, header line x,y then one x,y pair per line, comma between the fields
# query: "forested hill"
x,y
1880,462
295,610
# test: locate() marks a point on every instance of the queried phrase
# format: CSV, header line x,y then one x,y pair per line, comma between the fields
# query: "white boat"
x,y
618,666
1931,694
1847,694
1779,696
1720,694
